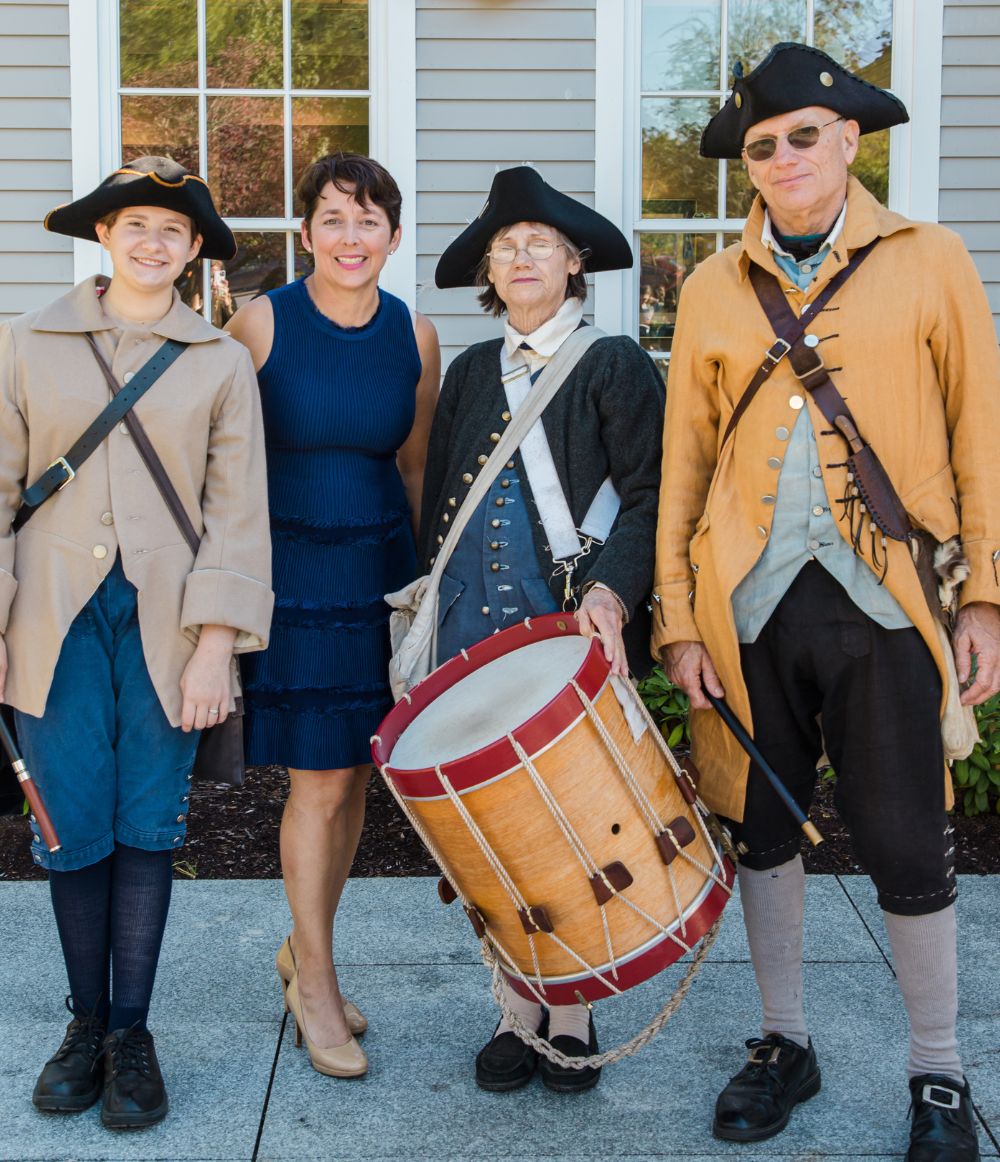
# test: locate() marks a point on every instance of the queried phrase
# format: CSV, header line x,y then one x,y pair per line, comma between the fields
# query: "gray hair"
x,y
493,304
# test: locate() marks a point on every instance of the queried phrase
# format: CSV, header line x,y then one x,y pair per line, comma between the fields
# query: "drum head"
x,y
482,707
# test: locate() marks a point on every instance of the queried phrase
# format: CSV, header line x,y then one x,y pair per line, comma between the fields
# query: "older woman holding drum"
x,y
569,522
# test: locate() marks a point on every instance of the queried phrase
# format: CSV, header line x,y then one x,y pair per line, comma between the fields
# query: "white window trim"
x,y
915,148
94,126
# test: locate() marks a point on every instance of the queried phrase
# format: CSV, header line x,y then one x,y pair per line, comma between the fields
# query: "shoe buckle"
x,y
760,1055
939,1095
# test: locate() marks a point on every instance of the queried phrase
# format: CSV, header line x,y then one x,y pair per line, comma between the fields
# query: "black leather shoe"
x,y
562,1079
758,1101
134,1094
943,1127
506,1063
72,1077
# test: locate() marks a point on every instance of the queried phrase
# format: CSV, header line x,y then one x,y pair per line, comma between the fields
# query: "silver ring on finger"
x,y
214,710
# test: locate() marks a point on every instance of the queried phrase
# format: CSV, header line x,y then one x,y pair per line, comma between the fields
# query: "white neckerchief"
x,y
769,240
545,340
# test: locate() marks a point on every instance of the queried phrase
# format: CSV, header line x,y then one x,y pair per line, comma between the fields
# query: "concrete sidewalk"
x,y
239,1090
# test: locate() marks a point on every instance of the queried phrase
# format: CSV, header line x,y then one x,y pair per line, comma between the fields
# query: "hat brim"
x,y
189,195
797,76
521,195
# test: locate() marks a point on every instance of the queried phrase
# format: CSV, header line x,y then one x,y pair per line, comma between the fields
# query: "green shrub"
x,y
976,779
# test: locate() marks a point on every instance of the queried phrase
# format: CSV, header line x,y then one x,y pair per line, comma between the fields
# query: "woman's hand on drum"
x,y
601,615
205,683
688,665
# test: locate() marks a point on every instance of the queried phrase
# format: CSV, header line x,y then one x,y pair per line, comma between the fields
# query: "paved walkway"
x,y
240,1091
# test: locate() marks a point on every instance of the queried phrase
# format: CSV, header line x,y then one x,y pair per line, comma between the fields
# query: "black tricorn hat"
x,y
795,76
521,195
148,181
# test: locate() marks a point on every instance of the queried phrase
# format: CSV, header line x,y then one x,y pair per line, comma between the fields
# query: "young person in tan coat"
x,y
773,586
116,642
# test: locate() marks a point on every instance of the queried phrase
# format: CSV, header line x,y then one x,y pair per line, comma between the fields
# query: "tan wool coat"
x,y
913,344
203,418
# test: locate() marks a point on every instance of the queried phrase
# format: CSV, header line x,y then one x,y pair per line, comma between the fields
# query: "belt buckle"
x,y
784,346
953,1103
70,473
819,365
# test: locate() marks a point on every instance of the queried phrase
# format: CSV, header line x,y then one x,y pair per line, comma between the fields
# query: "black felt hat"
x,y
796,76
521,195
148,181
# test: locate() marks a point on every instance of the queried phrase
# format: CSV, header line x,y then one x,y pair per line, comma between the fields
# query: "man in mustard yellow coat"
x,y
773,587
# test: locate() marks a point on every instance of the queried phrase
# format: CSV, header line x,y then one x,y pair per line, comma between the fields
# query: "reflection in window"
x,y
686,73
277,94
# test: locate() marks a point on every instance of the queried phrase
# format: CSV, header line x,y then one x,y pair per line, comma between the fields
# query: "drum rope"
x,y
628,1048
700,809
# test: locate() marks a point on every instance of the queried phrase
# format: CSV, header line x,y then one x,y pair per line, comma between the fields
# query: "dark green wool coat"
x,y
606,419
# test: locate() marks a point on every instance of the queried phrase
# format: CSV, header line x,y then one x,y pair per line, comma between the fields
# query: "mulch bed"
x,y
234,835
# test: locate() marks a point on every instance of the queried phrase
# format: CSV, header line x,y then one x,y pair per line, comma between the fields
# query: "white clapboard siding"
x,y
35,169
970,137
498,84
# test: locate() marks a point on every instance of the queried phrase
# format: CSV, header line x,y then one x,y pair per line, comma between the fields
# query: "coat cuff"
x,y
983,583
218,597
673,617
8,587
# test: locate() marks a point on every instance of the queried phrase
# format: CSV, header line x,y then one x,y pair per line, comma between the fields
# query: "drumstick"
x,y
31,792
743,738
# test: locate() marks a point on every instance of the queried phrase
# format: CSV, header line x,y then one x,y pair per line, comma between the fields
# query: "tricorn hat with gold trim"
x,y
148,181
796,76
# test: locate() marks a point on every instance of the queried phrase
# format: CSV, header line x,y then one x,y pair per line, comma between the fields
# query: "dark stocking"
x,y
140,900
81,901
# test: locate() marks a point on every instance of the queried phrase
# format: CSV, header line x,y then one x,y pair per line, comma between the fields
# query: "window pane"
x,y
303,259
755,26
159,43
166,126
859,36
680,44
245,148
739,190
189,285
665,260
676,181
243,44
259,266
329,44
322,125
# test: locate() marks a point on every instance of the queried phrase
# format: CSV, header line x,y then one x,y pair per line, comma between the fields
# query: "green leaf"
x,y
978,759
961,772
676,735
995,777
982,801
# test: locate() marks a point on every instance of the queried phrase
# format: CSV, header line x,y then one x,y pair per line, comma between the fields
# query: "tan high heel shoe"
x,y
347,1060
284,962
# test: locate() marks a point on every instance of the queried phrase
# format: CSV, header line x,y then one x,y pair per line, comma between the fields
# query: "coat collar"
x,y
866,220
80,311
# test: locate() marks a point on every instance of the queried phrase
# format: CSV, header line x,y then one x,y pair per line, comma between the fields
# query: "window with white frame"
x,y
246,93
677,58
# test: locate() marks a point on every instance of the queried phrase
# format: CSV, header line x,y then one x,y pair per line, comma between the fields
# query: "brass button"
x,y
804,267
500,502
129,375
107,518
451,502
767,498
505,483
495,437
100,551
738,100
773,462
510,463
818,510
432,560
494,524
486,610
811,341
505,416
482,459
180,818
494,567
494,545
466,477
781,433
762,531
445,517
440,539
825,79
795,402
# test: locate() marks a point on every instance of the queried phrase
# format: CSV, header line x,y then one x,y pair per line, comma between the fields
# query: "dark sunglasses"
x,y
805,137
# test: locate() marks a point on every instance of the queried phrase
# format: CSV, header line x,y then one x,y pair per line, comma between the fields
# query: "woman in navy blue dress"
x,y
348,381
